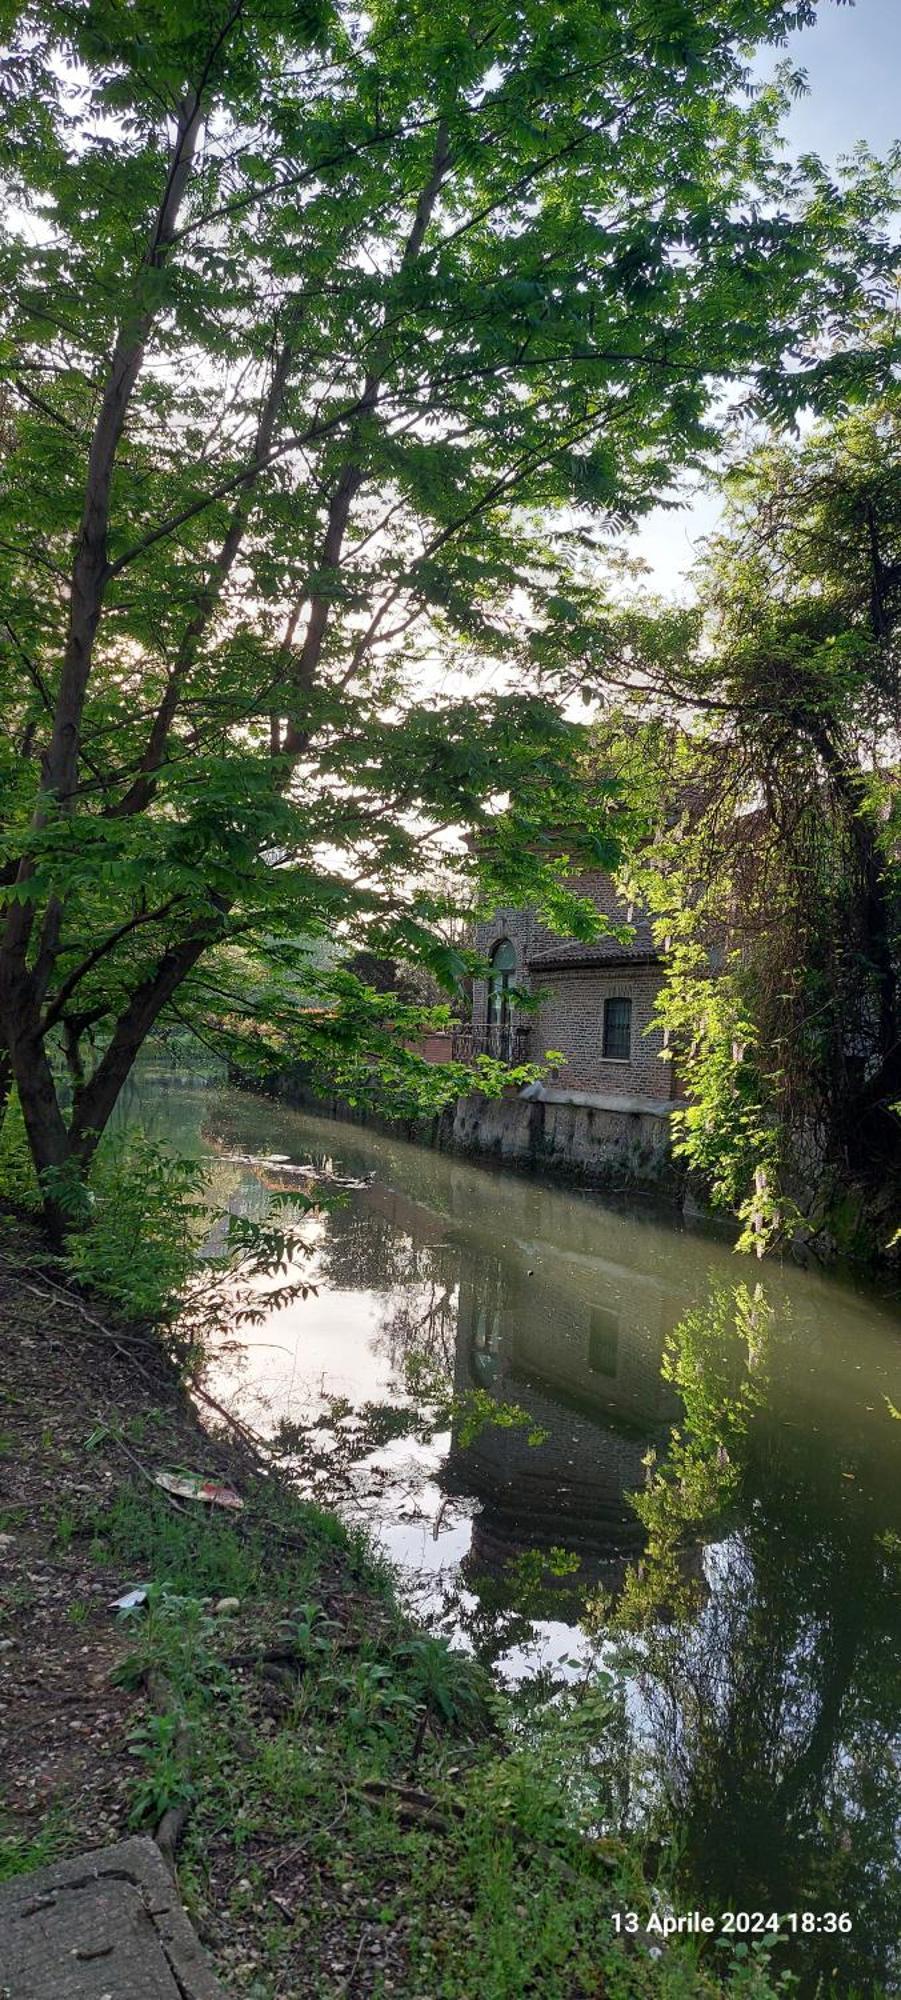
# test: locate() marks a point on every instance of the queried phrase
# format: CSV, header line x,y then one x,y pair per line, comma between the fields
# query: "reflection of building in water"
x,y
537,1300
578,1346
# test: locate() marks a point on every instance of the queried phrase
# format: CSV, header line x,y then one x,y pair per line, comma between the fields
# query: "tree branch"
x,y
141,791
74,978
350,478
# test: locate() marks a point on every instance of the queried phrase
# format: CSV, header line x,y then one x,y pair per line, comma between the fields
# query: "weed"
x,y
375,1700
175,1641
159,1744
312,1631
65,1528
199,1554
146,1217
444,1682
21,1853
18,1180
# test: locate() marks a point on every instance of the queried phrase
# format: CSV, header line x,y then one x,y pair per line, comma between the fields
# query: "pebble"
x,y
225,1605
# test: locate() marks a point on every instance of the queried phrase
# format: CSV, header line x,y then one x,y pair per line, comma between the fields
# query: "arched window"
x,y
617,1029
500,980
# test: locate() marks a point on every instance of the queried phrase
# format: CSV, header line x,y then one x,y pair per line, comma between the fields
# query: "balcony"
x,y
504,1040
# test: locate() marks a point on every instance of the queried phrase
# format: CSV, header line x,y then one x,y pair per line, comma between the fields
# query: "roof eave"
x,y
576,963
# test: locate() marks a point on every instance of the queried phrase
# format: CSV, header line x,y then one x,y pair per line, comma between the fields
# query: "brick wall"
x,y
572,1013
436,1047
571,1019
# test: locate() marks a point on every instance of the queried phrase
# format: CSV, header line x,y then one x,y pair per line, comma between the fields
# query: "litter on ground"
x,y
193,1486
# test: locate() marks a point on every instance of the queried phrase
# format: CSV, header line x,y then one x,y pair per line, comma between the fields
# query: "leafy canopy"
x,y
768,723
324,333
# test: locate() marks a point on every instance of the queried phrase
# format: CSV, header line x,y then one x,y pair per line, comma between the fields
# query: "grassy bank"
x,y
341,1795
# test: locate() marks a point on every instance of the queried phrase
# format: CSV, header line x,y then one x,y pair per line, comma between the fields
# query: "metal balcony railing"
x,y
504,1040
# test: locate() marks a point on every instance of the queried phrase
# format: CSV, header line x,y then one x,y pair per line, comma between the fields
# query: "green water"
x,y
762,1723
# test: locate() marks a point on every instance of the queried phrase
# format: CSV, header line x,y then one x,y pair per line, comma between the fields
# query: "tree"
x,y
314,321
780,863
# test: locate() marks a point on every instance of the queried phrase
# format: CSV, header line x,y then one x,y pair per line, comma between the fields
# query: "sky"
x,y
853,63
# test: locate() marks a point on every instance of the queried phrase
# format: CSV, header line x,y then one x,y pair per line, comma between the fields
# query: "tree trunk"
x,y
97,1099
48,1137
6,1081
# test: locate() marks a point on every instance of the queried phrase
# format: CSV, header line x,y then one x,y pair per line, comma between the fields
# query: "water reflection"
x,y
773,1705
750,1590
588,1375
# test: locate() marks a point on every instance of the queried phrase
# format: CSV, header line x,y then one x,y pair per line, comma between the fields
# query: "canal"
x,y
486,1371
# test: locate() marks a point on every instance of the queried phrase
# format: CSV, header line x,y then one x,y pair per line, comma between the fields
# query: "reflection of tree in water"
x,y
376,1239
384,1243
773,1719
775,1705
418,1336
501,1611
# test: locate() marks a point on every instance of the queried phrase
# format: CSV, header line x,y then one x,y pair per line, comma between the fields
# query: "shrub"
x,y
146,1219
18,1180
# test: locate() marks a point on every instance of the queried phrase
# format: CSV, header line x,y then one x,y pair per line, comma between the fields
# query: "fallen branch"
x,y
249,1437
112,1437
412,1805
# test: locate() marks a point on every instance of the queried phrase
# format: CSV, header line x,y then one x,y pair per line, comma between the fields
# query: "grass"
x,y
20,1854
366,1817
427,1854
65,1527
201,1553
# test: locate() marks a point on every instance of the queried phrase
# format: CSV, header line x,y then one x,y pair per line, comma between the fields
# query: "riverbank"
x,y
334,1789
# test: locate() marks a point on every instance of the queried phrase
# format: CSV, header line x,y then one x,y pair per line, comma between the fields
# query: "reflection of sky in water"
x,y
329,1345
313,1348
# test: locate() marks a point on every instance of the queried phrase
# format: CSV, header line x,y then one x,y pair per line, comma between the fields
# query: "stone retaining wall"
x,y
617,1143
589,1140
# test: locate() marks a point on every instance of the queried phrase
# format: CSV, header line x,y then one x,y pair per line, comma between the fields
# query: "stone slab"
x,y
596,1100
104,1926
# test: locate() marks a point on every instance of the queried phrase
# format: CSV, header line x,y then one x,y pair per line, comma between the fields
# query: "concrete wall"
x,y
621,1143
604,1144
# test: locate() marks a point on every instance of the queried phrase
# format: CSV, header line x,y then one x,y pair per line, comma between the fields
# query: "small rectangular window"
x,y
617,1030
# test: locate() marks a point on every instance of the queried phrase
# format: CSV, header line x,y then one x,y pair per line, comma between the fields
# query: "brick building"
x,y
596,1004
